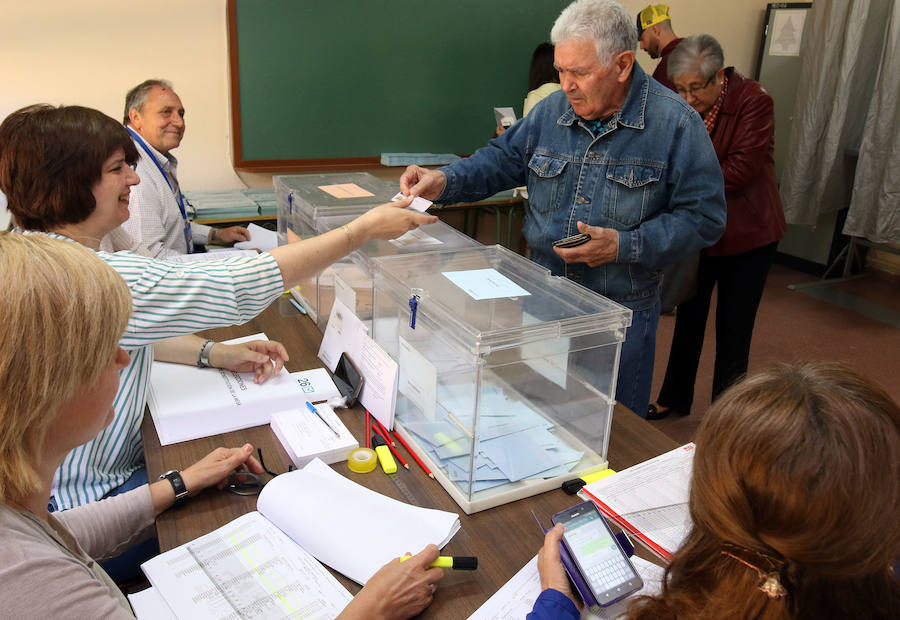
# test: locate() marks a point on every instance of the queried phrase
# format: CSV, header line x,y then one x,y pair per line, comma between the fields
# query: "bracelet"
x,y
205,350
212,235
350,238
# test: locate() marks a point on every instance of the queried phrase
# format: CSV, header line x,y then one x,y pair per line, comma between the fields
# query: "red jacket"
x,y
744,139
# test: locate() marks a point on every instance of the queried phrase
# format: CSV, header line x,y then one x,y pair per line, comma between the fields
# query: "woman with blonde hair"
x,y
59,372
795,503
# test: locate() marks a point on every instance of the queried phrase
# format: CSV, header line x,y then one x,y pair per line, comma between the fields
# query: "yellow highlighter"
x,y
573,486
385,459
454,562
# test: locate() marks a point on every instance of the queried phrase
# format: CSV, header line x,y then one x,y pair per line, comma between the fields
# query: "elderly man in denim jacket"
x,y
613,154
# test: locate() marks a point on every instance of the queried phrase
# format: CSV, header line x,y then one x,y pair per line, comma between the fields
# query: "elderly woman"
x,y
59,372
739,115
794,502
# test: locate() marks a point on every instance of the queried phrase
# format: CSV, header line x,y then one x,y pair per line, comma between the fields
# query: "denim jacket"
x,y
650,172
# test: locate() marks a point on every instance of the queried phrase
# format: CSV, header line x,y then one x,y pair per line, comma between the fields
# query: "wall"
x,y
91,52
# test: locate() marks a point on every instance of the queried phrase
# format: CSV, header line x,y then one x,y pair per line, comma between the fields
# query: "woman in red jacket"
x,y
739,115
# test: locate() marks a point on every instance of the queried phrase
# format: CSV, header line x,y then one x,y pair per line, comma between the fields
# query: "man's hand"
x,y
419,181
231,235
255,356
601,249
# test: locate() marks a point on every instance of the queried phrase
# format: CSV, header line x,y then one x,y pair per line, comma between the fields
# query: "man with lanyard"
x,y
657,38
612,155
155,118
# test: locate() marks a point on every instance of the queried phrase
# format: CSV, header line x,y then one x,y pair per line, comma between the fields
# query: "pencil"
x,y
384,432
377,428
368,431
414,455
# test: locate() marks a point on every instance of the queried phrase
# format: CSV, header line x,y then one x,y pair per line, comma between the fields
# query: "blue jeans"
x,y
127,565
636,361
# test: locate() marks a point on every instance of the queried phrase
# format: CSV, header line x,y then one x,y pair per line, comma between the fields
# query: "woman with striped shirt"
x,y
67,172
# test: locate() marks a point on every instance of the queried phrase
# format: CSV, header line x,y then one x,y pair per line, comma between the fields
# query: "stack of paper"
x,y
305,437
419,159
651,497
260,564
187,402
515,442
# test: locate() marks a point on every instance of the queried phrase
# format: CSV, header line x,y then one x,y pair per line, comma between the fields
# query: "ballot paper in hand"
x,y
418,204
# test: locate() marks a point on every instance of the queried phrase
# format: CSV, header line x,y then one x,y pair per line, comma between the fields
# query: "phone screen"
x,y
601,561
347,379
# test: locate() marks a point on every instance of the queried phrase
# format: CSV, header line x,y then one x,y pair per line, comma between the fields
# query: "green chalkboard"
x,y
341,82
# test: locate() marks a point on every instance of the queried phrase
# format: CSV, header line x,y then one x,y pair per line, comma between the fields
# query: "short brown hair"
x,y
800,464
63,311
50,160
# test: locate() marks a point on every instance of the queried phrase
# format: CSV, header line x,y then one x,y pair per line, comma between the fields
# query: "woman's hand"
x,y
399,590
256,356
550,567
388,221
213,469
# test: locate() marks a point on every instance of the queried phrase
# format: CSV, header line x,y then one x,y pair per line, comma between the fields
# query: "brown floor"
x,y
794,326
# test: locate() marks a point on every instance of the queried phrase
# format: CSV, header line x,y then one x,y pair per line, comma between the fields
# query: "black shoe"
x,y
656,412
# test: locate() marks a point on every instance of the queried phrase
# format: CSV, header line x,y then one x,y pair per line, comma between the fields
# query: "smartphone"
x,y
597,554
571,242
348,379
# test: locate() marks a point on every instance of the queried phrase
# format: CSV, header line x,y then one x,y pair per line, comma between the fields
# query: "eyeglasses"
x,y
248,483
693,90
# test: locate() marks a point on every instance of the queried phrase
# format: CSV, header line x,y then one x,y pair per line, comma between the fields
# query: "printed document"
x,y
262,564
652,496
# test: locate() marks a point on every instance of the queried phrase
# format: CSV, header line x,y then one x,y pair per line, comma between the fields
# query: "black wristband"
x,y
177,482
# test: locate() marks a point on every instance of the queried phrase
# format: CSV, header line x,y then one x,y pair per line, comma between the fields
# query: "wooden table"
x,y
504,538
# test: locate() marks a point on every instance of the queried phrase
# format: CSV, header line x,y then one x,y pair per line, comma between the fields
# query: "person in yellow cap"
x,y
657,38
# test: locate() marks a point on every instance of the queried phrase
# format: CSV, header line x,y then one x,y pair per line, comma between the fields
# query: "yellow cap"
x,y
652,15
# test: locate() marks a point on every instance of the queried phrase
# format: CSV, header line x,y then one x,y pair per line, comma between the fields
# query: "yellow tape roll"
x,y
361,460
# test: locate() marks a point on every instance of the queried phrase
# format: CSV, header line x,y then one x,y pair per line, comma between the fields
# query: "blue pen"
x,y
310,406
299,308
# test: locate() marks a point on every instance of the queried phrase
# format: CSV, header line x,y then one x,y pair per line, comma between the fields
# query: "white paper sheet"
x,y
305,437
485,284
148,604
348,527
261,239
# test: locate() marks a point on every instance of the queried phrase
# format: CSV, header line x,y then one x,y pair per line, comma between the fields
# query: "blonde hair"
x,y
63,311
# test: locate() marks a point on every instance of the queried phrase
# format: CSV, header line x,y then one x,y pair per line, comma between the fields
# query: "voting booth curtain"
x,y
847,105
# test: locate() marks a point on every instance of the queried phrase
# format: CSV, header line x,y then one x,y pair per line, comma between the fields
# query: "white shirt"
x,y
155,221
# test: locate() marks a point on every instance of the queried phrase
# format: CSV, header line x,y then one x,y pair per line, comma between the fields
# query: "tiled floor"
x,y
857,322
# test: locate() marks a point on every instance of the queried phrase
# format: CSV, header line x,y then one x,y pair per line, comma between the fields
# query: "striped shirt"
x,y
169,300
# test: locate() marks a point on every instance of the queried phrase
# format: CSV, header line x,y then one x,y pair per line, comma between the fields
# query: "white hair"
x,y
606,22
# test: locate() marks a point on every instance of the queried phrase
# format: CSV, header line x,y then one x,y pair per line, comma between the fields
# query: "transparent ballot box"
x,y
302,198
351,277
507,373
